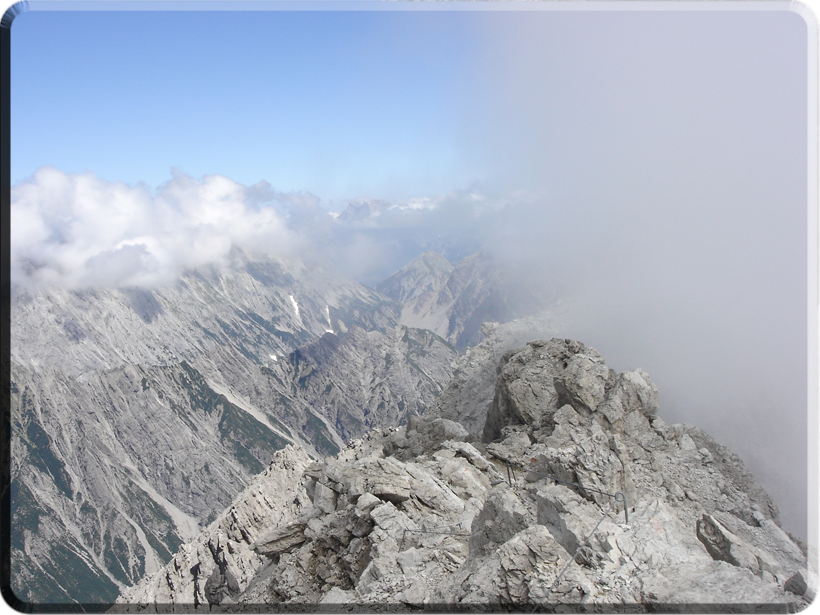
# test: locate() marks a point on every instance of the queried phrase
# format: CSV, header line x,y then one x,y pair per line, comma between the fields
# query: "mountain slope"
x,y
581,497
454,301
261,306
138,415
369,379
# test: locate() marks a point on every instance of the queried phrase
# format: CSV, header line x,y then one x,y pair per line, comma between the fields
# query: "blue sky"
x,y
656,161
339,103
395,104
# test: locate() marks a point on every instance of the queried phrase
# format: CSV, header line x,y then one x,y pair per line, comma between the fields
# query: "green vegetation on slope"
x,y
251,442
48,584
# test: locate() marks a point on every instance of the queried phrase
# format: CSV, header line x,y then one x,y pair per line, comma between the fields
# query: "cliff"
x,y
577,494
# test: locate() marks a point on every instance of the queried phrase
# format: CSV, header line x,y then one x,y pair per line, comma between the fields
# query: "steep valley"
x,y
577,496
137,415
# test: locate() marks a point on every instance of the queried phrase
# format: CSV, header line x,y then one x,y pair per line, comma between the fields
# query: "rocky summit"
x,y
138,415
574,495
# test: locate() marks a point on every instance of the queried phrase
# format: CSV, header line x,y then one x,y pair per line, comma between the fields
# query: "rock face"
x,y
469,394
366,379
137,416
219,561
454,300
585,499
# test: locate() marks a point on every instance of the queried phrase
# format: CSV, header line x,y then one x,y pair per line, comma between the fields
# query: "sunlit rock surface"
x,y
138,415
426,516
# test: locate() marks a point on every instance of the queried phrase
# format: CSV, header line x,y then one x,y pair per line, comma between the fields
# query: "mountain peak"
x,y
421,277
580,494
454,300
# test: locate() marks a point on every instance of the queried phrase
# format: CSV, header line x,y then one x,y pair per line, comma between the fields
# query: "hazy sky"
x,y
655,161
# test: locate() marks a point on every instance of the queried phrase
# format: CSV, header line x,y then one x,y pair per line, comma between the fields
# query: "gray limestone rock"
x,y
324,498
568,516
712,587
392,520
468,451
803,583
503,516
520,572
635,391
281,540
583,383
338,596
514,445
398,526
469,394
525,389
461,476
724,545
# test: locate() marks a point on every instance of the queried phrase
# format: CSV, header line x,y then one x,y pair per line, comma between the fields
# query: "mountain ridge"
x,y
186,392
579,495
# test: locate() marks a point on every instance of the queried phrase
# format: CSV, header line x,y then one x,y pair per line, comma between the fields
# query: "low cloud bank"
x,y
709,296
77,230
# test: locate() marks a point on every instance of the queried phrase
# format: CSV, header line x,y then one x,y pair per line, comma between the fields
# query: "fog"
x,y
650,168
715,314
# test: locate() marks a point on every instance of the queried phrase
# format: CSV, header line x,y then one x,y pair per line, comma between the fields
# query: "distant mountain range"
x,y
138,414
454,300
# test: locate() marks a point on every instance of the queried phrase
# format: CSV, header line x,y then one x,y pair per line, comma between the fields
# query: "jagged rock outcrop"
x,y
544,376
586,499
220,562
138,415
470,392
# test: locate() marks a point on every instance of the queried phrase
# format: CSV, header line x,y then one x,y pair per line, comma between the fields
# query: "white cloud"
x,y
77,230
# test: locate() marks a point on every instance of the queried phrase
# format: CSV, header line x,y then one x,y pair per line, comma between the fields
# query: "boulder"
x,y
525,392
416,594
337,596
635,391
424,433
724,545
710,587
803,583
281,540
520,572
514,446
469,452
324,498
568,517
583,383
392,520
465,480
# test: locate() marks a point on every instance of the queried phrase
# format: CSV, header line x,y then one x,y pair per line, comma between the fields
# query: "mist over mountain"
x,y
455,300
397,200
723,338
138,414
78,230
